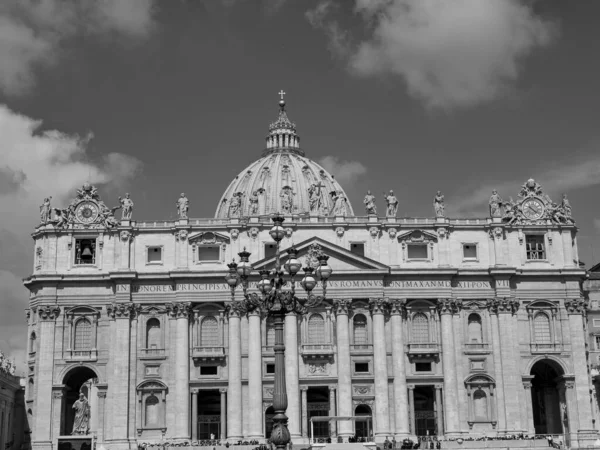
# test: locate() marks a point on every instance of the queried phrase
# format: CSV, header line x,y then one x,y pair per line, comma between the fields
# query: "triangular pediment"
x,y
417,236
340,259
209,237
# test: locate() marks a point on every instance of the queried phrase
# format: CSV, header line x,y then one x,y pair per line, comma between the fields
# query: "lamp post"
x,y
277,302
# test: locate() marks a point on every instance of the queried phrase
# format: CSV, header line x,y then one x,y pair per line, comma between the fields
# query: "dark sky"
x,y
471,96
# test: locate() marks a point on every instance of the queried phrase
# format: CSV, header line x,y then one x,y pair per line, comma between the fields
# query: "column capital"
x,y
254,312
303,388
502,305
223,391
576,306
179,310
378,305
48,312
527,381
101,394
122,310
332,387
342,306
235,309
449,305
438,386
397,306
195,391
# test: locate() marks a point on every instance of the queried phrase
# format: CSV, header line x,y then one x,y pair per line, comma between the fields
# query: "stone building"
x,y
13,432
432,326
591,288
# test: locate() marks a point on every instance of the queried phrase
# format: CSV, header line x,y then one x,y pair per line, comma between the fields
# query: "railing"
x,y
313,350
545,348
361,348
423,347
268,349
212,352
152,351
475,346
81,355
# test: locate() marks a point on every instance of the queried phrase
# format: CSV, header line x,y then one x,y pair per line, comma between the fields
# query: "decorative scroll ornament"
x,y
313,254
503,305
378,305
181,235
392,232
234,233
253,232
533,206
374,232
443,232
449,305
121,310
48,312
576,306
86,210
126,235
179,310
236,309
342,306
398,306
362,390
340,231
496,232
288,232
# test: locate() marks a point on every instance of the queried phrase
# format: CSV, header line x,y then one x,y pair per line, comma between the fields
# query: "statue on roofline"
x,y
370,205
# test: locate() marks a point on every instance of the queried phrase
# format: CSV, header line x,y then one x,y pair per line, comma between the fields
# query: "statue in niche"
x,y
315,200
183,205
46,211
126,207
392,204
81,424
253,210
438,204
287,200
495,204
235,205
339,204
370,205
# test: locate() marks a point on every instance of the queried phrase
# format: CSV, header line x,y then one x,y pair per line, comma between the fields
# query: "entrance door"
x,y
425,422
545,399
209,414
363,428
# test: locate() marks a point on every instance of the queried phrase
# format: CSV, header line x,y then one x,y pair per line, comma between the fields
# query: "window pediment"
x,y
480,380
209,237
151,385
417,236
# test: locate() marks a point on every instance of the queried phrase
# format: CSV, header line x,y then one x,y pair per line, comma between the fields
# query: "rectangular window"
x,y
358,249
597,338
361,367
535,247
209,253
423,367
208,370
85,251
270,250
416,251
596,322
469,251
154,255
270,369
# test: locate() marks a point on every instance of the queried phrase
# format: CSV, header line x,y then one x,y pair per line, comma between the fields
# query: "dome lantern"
x,y
282,133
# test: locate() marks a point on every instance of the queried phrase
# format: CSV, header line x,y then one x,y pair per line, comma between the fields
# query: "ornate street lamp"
x,y
277,302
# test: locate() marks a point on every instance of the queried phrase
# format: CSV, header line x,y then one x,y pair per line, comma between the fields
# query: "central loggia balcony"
x,y
81,355
204,354
361,349
317,351
476,348
152,353
545,348
417,350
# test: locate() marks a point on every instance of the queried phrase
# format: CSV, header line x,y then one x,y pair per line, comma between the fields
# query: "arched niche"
x,y
481,397
80,379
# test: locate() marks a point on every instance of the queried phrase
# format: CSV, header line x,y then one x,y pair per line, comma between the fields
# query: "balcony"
x,y
317,351
418,350
81,355
472,348
268,350
546,348
152,353
208,353
361,349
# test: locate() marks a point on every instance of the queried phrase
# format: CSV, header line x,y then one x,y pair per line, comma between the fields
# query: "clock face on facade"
x,y
533,208
87,212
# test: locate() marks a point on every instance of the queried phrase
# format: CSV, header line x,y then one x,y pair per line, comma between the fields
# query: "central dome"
x,y
283,181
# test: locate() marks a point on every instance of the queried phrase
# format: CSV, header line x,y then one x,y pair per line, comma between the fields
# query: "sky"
x,y
158,97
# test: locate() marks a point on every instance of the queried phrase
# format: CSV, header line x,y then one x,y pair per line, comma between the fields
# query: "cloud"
x,y
32,31
338,39
597,225
450,53
580,172
37,163
343,171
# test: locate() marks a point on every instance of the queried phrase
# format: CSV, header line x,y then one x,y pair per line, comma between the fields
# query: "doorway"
x,y
425,420
545,398
363,428
209,414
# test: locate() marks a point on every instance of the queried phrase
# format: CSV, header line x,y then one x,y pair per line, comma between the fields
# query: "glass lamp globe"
x,y
232,277
293,264
277,232
308,282
244,268
264,285
324,270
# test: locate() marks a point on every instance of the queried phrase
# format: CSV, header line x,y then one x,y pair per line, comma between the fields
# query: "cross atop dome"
x,y
282,133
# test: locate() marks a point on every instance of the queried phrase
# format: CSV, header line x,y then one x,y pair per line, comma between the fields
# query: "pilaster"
x,y
255,420
341,309
332,411
497,357
401,412
291,374
180,311
234,363
447,307
378,307
303,391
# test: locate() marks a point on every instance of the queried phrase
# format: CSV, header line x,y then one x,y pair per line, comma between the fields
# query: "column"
x,y
101,409
567,241
332,424
447,308
223,392
303,390
255,416
58,404
43,400
581,391
342,307
440,410
461,392
398,312
513,388
180,311
411,407
291,375
118,401
493,310
133,345
234,387
194,414
496,234
378,307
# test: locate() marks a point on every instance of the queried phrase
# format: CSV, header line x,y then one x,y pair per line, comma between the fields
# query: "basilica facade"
x,y
430,326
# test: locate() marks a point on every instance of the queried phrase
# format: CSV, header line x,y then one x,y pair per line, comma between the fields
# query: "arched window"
x,y
475,329
420,328
360,330
153,333
316,329
270,341
30,389
541,327
83,335
32,343
209,332
152,413
480,406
